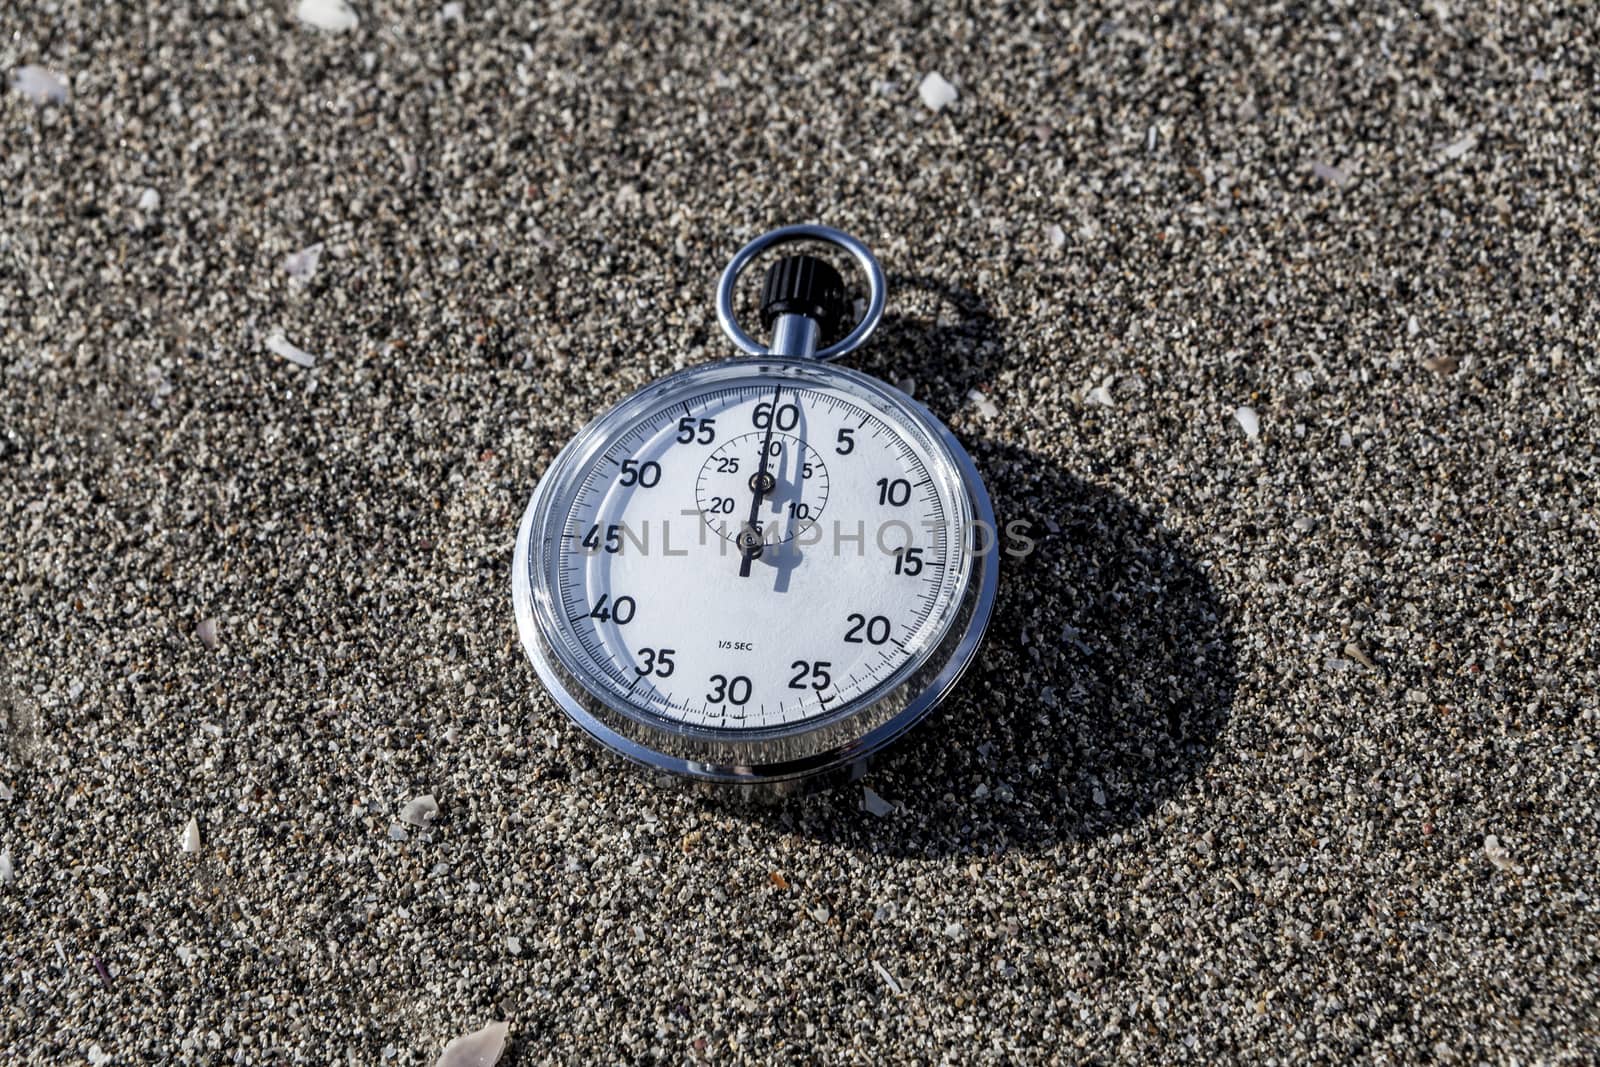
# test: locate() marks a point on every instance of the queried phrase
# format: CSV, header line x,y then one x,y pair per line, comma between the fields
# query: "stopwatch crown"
x,y
804,285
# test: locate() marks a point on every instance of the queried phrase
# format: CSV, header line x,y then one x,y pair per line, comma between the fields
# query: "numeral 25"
x,y
815,674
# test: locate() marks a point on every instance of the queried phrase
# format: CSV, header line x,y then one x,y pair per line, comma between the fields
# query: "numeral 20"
x,y
876,630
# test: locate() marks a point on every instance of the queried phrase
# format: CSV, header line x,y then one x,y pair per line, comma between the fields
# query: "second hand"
x,y
750,542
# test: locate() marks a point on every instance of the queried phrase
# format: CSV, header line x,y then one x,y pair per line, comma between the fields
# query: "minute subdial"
x,y
793,493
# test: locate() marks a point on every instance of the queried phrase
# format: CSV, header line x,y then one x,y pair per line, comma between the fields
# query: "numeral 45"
x,y
613,538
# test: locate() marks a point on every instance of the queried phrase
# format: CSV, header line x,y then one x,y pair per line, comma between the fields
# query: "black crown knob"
x,y
804,285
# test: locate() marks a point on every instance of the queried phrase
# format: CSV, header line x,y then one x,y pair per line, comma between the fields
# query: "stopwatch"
x,y
761,571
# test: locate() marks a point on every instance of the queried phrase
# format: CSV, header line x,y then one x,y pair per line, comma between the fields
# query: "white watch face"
x,y
759,552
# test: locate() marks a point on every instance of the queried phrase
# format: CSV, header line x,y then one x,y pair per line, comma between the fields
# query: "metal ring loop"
x,y
876,287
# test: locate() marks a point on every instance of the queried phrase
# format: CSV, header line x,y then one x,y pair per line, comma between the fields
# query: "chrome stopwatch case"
x,y
763,569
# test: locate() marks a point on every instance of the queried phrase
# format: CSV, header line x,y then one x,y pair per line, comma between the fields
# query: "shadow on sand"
x,y
1106,677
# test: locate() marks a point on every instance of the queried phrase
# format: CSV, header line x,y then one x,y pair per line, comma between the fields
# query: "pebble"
x,y
40,85
1355,652
334,16
1248,422
206,631
420,811
279,345
873,804
480,1048
302,265
1100,395
1329,173
937,94
985,406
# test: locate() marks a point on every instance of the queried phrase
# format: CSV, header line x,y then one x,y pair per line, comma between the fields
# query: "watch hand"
x,y
750,538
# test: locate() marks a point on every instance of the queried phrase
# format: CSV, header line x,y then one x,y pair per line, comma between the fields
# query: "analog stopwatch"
x,y
758,570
